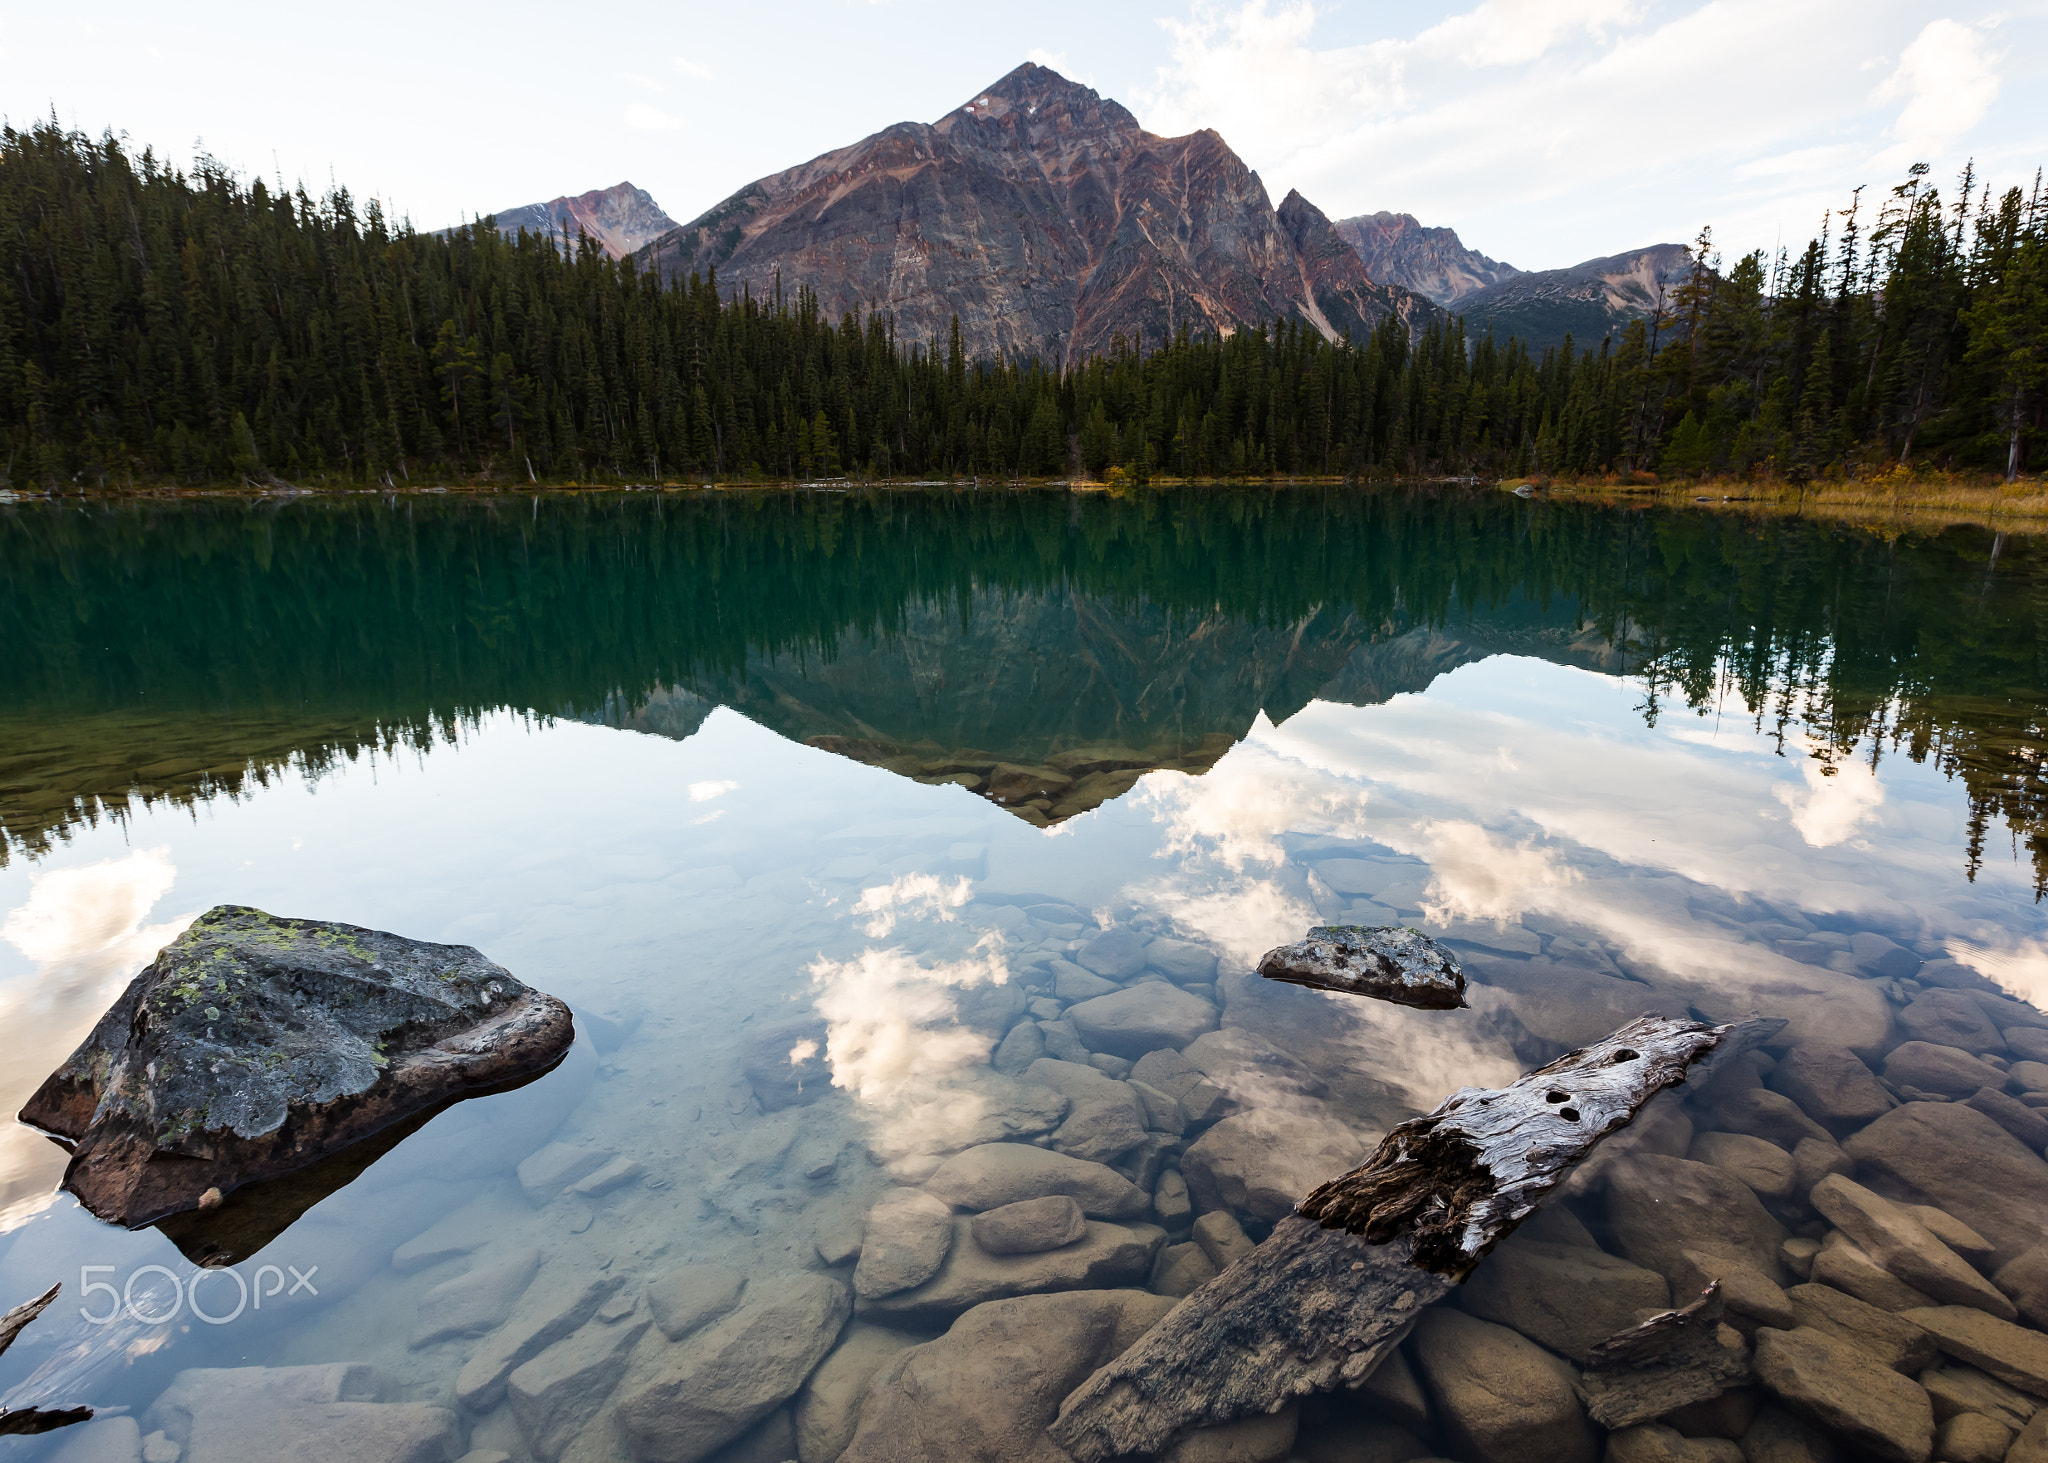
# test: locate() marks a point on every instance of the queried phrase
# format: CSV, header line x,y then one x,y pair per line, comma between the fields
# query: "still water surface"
x,y
732,776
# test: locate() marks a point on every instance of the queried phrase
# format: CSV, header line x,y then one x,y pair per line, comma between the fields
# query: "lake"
x,y
834,816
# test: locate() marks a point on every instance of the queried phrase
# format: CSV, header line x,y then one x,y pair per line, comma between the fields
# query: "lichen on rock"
x,y
255,1045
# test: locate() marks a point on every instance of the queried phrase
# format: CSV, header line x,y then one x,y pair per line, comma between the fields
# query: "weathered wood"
x,y
1316,1307
27,1421
1383,963
1666,1362
1461,1178
12,1324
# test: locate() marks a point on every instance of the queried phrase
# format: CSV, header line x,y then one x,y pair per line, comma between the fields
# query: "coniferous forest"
x,y
163,327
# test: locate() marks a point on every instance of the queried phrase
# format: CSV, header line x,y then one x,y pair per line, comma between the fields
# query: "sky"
x,y
1544,131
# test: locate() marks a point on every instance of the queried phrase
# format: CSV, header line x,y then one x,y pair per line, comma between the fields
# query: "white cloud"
x,y
1545,130
1476,874
704,792
643,118
645,83
1516,32
695,70
1948,79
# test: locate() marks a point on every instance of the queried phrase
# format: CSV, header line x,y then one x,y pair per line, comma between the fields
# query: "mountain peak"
x,y
620,218
1398,249
1034,99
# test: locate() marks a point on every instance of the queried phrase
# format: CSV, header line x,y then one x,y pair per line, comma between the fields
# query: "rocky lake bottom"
x,y
905,1098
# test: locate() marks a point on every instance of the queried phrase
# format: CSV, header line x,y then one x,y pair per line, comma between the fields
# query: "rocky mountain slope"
x,y
1587,300
1048,221
620,218
1397,249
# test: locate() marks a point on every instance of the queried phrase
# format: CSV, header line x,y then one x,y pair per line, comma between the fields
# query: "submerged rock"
x,y
1501,1398
253,1046
995,1174
1105,1255
1384,963
1845,1389
987,1388
700,1395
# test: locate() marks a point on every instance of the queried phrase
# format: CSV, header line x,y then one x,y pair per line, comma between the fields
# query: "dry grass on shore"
x,y
1893,501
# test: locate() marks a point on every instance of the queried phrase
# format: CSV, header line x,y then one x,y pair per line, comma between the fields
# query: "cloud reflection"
x,y
83,927
896,1040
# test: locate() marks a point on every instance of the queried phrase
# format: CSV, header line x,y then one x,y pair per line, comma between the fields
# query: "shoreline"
x,y
1890,505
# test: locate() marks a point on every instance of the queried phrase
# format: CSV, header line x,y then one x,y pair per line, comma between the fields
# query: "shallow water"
x,y
730,775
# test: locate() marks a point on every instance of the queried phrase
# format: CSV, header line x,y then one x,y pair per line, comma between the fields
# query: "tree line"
x,y
169,327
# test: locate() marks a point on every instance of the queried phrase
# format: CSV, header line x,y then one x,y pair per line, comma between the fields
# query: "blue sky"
x,y
1545,131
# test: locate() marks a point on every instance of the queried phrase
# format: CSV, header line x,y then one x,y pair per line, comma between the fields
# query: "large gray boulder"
x,y
1115,954
986,1390
253,1046
1500,1397
994,1174
697,1396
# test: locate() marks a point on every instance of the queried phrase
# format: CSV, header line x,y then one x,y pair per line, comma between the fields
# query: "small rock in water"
x,y
1262,1163
1170,1204
253,1046
691,1296
1846,1390
616,1174
557,1393
553,1306
474,1302
545,1174
1843,1264
1833,1086
1140,1019
2015,1355
1387,963
1764,1166
1947,1070
828,1407
2027,1124
994,1174
1501,1398
1891,1235
1563,1297
1652,1443
1116,954
1970,1437
697,1398
1958,1388
1182,1270
1958,1157
1222,1239
908,1232
1030,1226
1897,1343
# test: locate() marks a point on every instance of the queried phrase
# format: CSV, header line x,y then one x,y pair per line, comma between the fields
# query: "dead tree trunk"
x,y
1337,1284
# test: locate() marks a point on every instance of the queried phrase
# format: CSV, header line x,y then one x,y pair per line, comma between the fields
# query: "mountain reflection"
x,y
1043,649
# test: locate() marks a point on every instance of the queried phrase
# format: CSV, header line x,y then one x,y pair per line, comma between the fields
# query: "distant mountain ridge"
x,y
1398,249
620,218
1049,222
1586,301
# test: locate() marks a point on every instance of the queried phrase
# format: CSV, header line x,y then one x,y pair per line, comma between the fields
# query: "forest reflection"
x,y
1041,648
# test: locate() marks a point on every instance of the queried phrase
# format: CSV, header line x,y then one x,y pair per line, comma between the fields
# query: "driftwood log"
x,y
26,1421
1338,1284
1666,1362
16,1321
1382,963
